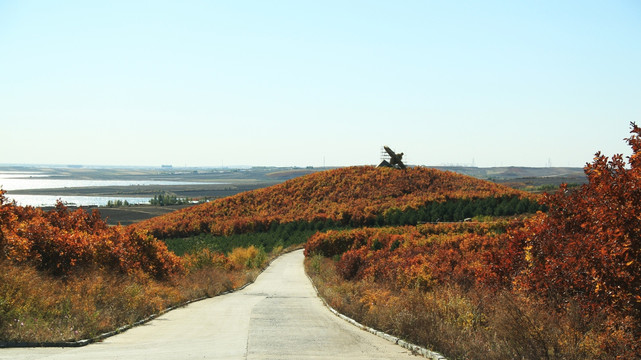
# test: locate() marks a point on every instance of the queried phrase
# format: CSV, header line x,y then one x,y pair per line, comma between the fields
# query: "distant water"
x,y
34,180
14,181
50,200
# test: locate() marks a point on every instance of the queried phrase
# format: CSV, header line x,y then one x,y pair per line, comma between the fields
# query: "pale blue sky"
x,y
205,83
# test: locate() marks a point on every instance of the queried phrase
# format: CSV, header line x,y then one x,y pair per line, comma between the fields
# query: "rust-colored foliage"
x,y
353,196
588,245
579,264
411,257
61,241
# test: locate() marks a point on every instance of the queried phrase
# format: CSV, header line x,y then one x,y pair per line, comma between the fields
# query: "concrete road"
x,y
277,317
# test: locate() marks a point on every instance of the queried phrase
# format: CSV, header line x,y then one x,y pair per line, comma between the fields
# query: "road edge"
x,y
429,354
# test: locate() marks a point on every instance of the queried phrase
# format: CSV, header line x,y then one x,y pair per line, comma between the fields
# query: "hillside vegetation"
x,y
354,196
66,275
565,284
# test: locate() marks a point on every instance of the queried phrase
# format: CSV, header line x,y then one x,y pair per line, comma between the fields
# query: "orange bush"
x,y
61,241
587,247
409,256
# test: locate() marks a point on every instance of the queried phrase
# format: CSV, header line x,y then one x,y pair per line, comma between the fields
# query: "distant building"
x,y
166,166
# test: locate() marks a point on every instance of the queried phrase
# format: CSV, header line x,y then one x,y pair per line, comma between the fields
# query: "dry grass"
x,y
38,307
474,323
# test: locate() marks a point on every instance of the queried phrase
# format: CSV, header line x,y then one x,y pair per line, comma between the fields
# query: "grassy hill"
x,y
353,196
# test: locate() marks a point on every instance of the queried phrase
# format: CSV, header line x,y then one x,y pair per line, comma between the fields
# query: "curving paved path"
x,y
277,317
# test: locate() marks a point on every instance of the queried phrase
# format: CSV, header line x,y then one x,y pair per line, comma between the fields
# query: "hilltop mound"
x,y
346,196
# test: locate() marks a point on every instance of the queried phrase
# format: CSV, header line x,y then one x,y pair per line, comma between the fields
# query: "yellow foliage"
x,y
249,257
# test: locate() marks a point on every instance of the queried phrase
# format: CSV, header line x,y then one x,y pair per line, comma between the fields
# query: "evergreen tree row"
x,y
459,210
165,199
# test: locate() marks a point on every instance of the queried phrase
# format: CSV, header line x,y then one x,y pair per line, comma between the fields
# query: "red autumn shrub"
x,y
61,241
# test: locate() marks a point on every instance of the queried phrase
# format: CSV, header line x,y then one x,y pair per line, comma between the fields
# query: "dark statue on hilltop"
x,y
395,161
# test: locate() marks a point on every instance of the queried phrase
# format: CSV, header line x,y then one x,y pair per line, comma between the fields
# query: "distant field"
x,y
127,215
536,180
